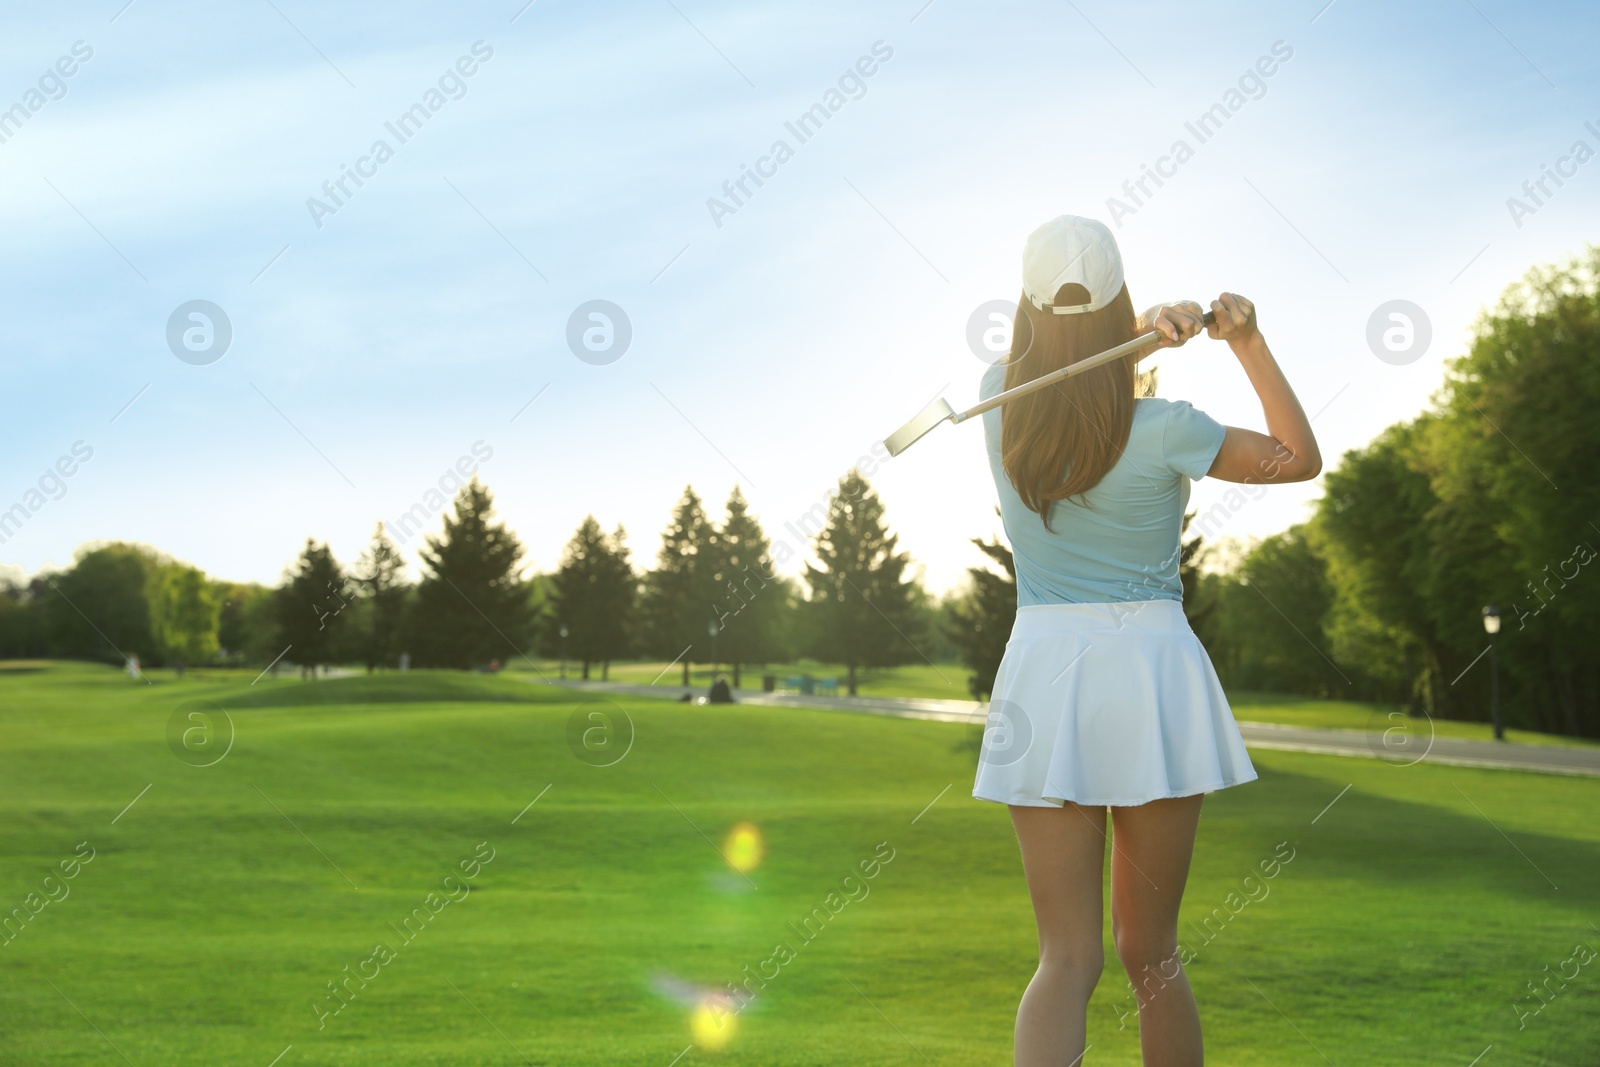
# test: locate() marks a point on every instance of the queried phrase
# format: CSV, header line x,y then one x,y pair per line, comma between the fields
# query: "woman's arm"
x,y
1287,452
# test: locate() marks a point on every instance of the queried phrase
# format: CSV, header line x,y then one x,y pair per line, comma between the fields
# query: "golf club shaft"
x,y
1144,340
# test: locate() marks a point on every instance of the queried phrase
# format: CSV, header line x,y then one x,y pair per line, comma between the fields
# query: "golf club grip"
x,y
1127,348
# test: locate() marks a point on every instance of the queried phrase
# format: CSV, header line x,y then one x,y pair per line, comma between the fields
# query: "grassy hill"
x,y
221,904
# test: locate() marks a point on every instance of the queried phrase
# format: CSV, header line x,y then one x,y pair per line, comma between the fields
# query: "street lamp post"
x,y
563,651
1491,626
713,629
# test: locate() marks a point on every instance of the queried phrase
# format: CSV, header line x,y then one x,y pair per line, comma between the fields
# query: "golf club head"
x,y
913,431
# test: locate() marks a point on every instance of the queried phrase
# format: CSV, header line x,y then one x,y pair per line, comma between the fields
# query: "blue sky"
x,y
575,163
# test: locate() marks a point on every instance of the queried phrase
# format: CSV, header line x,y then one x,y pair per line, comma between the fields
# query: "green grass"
x,y
206,925
1350,715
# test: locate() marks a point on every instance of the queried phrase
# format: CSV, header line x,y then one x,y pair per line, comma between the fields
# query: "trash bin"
x,y
769,683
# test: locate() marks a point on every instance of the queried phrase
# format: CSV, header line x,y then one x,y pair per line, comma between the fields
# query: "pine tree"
x,y
747,597
620,592
676,609
308,606
863,608
593,595
472,606
980,623
380,577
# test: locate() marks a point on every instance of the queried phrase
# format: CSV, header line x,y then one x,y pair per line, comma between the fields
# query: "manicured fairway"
x,y
218,907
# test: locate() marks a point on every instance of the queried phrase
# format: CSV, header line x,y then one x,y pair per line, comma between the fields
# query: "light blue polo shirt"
x,y
1119,541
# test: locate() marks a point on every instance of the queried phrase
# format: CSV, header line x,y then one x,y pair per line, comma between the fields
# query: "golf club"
x,y
940,409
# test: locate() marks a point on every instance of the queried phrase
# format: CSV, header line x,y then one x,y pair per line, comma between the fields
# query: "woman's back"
x,y
1119,542
1105,700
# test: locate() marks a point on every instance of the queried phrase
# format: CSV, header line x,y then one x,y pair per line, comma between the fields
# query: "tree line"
x,y
1486,498
712,596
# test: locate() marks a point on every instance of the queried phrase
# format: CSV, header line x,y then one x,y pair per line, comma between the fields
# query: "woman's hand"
x,y
1287,452
1236,319
1175,322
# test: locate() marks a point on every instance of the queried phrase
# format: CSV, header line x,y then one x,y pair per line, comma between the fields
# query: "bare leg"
x,y
1152,845
1063,853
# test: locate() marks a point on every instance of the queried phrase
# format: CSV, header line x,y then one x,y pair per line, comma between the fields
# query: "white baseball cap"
x,y
1069,249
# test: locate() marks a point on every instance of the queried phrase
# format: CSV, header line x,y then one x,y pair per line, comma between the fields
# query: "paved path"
x,y
1549,759
1417,748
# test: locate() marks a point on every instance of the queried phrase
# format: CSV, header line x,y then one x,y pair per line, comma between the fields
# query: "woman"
x,y
1105,698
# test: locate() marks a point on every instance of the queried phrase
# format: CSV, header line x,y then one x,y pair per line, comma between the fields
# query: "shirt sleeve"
x,y
1191,439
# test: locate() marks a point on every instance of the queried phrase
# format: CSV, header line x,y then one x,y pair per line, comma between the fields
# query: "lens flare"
x,y
743,848
712,1023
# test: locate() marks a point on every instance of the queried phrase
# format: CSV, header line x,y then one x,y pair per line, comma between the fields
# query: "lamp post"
x,y
1491,626
713,629
563,651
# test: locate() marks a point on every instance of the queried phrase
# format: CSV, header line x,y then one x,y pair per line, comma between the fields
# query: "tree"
x,y
244,622
20,636
980,622
863,608
308,606
1511,460
472,605
183,615
592,595
100,609
747,596
676,608
380,579
1372,527
1486,498
1271,613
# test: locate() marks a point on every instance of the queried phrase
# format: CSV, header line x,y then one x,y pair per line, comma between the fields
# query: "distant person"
x,y
1105,698
133,667
721,693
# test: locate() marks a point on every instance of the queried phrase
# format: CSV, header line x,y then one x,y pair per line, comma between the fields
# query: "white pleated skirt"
x,y
1107,704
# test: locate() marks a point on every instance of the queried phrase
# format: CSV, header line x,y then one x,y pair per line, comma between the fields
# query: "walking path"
x,y
1547,759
